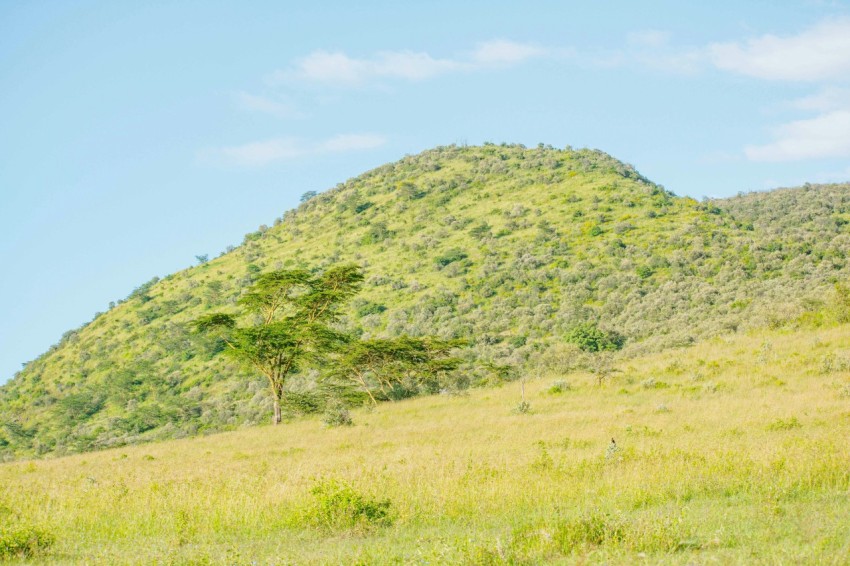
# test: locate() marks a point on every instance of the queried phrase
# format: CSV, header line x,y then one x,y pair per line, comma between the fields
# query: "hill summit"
x,y
508,247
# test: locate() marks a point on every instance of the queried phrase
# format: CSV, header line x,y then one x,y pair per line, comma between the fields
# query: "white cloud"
x,y
412,66
649,38
502,51
340,69
830,98
648,49
821,52
682,62
827,135
266,105
260,153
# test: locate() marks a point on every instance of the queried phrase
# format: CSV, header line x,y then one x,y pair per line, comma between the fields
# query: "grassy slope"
x,y
733,450
552,238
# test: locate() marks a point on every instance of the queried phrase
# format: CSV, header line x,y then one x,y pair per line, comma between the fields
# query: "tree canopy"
x,y
385,363
293,311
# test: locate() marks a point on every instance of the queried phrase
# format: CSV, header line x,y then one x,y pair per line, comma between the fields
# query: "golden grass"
x,y
732,451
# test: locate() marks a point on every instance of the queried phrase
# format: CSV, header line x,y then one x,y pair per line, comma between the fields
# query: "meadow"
x,y
733,450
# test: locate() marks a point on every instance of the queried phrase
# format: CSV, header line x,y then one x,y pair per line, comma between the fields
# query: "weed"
x,y
544,460
612,453
593,528
832,363
655,533
559,387
785,424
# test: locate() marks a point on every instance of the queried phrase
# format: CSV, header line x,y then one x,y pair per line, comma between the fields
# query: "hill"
x,y
506,246
733,451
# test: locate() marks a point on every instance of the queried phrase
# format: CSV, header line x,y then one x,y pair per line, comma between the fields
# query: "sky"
x,y
135,136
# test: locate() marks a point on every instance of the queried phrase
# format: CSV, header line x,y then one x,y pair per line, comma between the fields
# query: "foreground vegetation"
x,y
510,249
733,450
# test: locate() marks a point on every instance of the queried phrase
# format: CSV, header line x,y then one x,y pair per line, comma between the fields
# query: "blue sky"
x,y
136,135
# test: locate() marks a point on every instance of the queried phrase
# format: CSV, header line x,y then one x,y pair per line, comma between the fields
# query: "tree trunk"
x,y
276,418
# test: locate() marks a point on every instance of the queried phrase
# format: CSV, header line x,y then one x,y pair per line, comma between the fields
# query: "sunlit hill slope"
x,y
505,246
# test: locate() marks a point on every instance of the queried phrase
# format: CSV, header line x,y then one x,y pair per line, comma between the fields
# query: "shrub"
x,y
338,415
365,308
559,387
451,256
23,541
337,505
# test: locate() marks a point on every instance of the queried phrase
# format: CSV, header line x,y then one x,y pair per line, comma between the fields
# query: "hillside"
x,y
506,246
733,451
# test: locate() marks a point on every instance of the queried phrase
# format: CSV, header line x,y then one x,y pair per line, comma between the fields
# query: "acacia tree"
x,y
291,313
383,362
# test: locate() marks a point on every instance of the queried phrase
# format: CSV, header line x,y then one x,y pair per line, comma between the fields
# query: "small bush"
x,y
544,460
523,408
338,415
337,505
451,256
23,541
559,387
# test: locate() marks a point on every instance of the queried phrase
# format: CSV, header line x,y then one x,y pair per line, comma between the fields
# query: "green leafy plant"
x,y
338,506
18,540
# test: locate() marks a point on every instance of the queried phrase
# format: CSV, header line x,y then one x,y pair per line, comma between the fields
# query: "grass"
x,y
748,463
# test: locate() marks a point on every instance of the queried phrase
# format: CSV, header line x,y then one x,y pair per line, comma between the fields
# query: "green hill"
x,y
506,246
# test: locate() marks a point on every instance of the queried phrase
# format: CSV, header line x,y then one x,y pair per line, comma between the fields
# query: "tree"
x,y
601,365
308,195
599,346
291,312
384,363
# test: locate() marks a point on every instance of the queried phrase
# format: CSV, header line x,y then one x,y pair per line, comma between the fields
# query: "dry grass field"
x,y
732,451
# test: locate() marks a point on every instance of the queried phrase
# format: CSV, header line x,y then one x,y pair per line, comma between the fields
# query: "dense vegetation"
x,y
520,252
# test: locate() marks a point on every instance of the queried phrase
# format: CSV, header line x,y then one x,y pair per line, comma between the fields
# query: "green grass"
x,y
742,458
